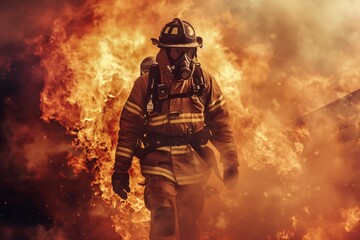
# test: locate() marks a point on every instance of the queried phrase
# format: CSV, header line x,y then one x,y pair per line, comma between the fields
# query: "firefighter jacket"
x,y
178,117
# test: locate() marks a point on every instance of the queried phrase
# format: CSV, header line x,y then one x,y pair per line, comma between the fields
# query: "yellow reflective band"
x,y
188,120
166,149
124,149
175,150
191,179
135,106
158,171
219,104
182,118
158,118
158,123
192,115
216,101
124,152
131,107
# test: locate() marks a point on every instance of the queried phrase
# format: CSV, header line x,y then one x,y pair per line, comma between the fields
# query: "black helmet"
x,y
146,64
178,33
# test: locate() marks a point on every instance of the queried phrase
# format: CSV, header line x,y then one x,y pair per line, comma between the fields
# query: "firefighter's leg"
x,y
190,202
159,197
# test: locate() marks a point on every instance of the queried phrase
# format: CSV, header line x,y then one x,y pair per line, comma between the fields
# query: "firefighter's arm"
x,y
131,129
218,121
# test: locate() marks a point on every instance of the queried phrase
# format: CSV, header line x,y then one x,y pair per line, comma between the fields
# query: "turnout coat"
x,y
178,117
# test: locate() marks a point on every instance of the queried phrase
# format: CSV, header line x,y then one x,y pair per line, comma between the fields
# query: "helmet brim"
x,y
198,43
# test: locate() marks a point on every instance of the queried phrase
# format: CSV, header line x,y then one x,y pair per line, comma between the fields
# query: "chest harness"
x,y
157,93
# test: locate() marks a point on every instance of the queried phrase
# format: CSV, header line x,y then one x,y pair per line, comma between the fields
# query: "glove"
x,y
120,183
231,175
231,163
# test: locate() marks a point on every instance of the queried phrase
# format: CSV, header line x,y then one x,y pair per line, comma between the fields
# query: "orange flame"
x,y
352,218
283,235
87,81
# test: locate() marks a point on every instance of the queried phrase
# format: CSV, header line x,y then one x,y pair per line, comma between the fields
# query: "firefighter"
x,y
175,109
146,64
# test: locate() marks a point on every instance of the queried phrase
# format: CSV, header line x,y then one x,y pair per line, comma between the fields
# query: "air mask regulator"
x,y
182,66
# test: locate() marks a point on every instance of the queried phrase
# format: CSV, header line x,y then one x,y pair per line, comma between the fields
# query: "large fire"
x,y
298,181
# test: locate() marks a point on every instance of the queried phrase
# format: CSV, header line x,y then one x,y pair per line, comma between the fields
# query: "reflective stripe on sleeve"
x,y
124,152
216,103
133,108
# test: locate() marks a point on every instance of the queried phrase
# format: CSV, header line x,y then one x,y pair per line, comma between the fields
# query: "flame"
x,y
88,78
282,235
352,218
315,234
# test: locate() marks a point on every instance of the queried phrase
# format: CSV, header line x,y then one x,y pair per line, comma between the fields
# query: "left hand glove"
x,y
120,182
231,175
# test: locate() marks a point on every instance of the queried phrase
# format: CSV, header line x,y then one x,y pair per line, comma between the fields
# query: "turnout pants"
x,y
175,209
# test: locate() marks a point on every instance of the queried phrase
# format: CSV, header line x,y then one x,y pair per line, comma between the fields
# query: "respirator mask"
x,y
182,62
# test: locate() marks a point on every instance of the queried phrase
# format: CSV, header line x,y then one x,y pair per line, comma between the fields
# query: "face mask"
x,y
182,62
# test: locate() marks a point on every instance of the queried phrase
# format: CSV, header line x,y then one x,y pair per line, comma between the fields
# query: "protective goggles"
x,y
176,53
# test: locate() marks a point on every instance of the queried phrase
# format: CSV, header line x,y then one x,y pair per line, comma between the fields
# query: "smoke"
x,y
291,58
276,61
312,42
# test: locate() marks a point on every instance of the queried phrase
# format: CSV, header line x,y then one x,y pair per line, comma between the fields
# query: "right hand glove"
x,y
120,183
231,175
231,171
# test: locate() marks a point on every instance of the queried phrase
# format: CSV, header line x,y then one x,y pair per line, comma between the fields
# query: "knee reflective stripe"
x,y
158,171
164,221
192,179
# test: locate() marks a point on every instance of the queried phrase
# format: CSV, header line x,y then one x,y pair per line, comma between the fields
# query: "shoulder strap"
x,y
199,80
152,94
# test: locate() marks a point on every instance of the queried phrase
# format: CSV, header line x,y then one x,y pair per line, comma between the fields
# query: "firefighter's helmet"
x,y
146,64
178,33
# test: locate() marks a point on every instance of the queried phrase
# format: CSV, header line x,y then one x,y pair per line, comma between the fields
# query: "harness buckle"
x,y
162,91
150,107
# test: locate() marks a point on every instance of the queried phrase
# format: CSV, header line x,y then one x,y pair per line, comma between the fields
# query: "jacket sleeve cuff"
x,y
230,159
122,164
